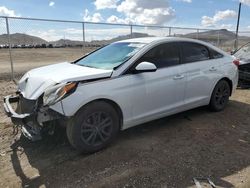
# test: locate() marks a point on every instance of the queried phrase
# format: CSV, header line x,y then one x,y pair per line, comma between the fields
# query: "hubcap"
x,y
96,128
222,94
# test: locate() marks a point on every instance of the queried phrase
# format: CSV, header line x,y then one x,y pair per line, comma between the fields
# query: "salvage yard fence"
x,y
27,43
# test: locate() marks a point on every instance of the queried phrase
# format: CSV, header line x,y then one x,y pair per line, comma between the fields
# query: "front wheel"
x,y
93,127
220,96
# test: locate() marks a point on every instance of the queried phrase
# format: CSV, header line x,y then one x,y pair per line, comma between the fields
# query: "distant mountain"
x,y
19,38
222,34
66,42
225,37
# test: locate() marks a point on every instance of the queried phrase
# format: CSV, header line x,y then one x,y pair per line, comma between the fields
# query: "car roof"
x,y
148,40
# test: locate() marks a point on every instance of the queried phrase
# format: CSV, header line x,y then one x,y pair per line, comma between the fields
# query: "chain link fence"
x,y
27,43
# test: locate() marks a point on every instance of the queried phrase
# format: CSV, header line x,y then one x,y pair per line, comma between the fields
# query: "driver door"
x,y
157,94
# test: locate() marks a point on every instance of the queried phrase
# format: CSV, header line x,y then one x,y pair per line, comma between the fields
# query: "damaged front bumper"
x,y
31,119
16,118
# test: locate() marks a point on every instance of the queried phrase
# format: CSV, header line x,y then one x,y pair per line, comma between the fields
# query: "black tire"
x,y
220,96
93,127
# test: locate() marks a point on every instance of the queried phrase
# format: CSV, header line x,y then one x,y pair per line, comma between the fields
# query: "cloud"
x,y
49,35
248,27
4,11
92,32
155,12
51,3
247,2
146,12
219,16
73,31
95,32
226,26
96,17
103,4
98,33
115,19
186,1
104,33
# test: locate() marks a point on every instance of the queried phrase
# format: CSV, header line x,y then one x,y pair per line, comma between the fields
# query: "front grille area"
x,y
26,105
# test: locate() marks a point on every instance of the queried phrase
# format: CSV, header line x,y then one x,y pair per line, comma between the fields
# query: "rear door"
x,y
202,67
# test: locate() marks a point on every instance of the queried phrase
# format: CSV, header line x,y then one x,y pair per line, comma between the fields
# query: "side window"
x,y
193,52
214,54
164,55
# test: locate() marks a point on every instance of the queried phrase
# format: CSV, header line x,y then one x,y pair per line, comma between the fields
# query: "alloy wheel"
x,y
222,94
96,128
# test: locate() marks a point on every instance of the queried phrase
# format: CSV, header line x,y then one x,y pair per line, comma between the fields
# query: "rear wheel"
x,y
220,96
93,127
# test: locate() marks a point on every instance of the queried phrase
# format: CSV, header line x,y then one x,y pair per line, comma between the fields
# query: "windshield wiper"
x,y
87,66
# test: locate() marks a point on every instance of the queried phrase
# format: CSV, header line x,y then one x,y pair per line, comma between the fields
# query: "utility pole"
x,y
237,29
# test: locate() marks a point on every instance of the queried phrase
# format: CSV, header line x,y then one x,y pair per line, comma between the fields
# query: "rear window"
x,y
193,52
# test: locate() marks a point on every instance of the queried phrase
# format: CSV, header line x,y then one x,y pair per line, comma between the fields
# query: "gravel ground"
x,y
168,152
27,59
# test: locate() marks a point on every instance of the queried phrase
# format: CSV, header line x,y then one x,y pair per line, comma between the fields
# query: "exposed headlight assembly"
x,y
56,93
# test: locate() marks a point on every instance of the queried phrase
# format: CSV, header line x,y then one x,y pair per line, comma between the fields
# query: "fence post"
x,y
83,35
131,31
198,31
169,31
9,43
218,39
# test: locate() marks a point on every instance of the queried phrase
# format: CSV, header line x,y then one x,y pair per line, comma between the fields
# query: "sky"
x,y
211,14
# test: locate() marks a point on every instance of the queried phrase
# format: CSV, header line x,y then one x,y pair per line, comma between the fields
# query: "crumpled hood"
x,y
34,82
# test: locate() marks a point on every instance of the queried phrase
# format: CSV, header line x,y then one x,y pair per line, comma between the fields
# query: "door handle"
x,y
212,69
178,77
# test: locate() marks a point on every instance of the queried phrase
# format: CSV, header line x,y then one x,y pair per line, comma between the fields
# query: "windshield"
x,y
111,56
243,53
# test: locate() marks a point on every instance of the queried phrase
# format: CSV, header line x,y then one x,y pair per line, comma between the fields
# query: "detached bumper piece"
x,y
244,75
244,79
198,185
25,120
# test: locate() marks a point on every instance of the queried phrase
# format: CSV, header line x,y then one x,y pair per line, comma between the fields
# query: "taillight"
x,y
236,62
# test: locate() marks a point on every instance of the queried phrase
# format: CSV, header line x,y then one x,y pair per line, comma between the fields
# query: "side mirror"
x,y
145,67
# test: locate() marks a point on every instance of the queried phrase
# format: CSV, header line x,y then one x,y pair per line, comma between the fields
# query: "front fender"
x,y
69,106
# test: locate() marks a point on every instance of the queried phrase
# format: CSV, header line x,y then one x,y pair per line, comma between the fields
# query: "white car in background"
x,y
121,85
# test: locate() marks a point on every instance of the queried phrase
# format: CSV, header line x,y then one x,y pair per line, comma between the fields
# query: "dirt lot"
x,y
165,153
26,59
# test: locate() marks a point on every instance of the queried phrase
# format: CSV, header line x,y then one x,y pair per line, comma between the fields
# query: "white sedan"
x,y
121,85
